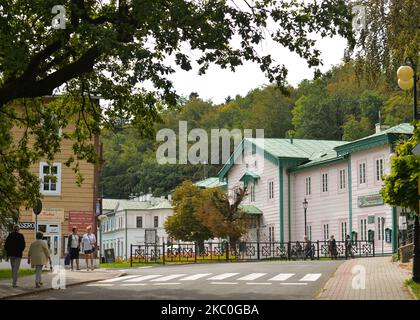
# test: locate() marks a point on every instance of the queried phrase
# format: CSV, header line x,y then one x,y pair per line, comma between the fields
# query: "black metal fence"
x,y
248,251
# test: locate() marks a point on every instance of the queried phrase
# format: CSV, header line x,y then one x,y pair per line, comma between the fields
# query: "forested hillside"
x,y
344,103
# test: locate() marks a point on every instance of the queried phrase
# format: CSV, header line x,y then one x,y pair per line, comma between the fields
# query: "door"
x,y
380,233
53,245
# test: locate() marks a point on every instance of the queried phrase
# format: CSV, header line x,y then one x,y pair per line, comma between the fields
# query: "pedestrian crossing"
x,y
228,278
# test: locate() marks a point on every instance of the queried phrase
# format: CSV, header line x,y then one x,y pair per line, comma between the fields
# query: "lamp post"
x,y
305,207
407,80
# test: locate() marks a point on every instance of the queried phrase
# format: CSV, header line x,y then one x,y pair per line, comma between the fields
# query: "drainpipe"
x,y
126,240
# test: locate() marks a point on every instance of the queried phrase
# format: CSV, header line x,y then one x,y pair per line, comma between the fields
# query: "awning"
x,y
250,209
249,176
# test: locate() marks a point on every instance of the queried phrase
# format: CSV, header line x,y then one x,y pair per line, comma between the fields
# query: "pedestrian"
x,y
349,247
333,247
38,256
308,248
89,246
14,246
73,247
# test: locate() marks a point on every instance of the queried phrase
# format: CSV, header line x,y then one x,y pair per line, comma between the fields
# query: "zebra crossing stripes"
x,y
139,279
252,276
223,276
195,276
311,277
170,277
282,277
117,279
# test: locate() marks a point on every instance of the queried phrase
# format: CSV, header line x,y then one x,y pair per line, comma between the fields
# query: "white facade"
x,y
130,222
339,203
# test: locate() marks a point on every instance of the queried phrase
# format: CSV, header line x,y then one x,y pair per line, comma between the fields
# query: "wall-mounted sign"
x,y
51,215
371,219
53,228
81,220
370,200
27,225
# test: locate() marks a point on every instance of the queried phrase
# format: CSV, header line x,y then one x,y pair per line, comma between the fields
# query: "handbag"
x,y
67,259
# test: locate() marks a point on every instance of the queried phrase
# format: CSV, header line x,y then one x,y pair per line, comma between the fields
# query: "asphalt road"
x,y
276,280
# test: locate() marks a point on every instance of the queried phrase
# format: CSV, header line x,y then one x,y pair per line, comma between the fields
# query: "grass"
x,y
7,273
414,286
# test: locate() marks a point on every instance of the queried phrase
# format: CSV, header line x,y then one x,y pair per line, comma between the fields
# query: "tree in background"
x,y
223,218
354,129
184,224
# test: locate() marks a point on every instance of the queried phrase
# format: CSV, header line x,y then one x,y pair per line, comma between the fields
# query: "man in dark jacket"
x,y
14,246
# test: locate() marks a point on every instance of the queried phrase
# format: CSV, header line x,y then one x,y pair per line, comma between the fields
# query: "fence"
x,y
247,251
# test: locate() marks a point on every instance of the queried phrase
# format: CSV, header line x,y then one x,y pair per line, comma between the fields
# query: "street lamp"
x,y
305,206
407,80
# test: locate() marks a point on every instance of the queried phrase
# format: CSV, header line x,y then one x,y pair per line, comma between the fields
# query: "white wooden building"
x,y
340,181
133,221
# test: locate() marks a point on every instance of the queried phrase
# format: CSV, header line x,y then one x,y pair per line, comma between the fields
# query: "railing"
x,y
247,251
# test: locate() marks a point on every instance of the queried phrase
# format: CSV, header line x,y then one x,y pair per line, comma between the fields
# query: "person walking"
x,y
308,249
38,256
349,247
14,246
333,247
73,247
89,246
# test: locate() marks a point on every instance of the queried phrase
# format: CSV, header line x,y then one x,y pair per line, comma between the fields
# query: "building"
x,y
136,221
64,203
339,180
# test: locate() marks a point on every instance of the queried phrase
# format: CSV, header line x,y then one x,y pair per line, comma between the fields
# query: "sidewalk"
x,y
26,285
384,281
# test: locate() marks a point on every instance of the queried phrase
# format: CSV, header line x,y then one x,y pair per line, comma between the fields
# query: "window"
x,y
156,221
308,186
326,231
343,230
139,222
271,189
270,234
379,169
342,179
363,229
252,192
50,178
381,231
325,182
362,173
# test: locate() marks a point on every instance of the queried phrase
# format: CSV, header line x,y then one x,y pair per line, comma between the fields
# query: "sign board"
x,y
81,220
51,215
27,225
370,200
109,256
150,236
371,219
53,228
38,207
388,235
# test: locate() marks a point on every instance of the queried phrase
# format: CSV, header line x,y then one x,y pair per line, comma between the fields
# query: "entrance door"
x,y
52,238
380,233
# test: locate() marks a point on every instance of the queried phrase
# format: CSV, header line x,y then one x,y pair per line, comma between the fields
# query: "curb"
x,y
50,289
411,292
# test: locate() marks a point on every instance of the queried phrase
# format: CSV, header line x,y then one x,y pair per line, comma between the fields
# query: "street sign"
x,y
38,207
109,256
27,225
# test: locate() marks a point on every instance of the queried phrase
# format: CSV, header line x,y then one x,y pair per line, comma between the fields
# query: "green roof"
x,y
212,182
249,176
250,209
383,137
110,205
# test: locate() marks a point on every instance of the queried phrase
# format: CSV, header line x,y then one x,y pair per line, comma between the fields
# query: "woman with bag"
x,y
89,246
74,247
38,256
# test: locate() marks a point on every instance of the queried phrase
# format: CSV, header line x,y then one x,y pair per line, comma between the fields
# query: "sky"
x,y
219,83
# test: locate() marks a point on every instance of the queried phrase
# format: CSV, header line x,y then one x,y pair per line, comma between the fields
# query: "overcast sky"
x,y
217,83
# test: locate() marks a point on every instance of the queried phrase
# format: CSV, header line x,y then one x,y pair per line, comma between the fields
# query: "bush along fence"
x,y
247,251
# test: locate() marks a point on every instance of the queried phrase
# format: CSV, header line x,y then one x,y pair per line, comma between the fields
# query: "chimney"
x,y
380,128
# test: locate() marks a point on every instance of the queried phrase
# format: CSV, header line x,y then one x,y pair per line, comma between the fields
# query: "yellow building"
x,y
64,203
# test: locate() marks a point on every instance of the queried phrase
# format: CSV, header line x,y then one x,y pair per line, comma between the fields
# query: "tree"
x,y
354,129
400,185
224,219
109,49
183,224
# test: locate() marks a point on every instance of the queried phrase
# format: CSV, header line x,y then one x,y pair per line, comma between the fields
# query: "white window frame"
x,y
252,192
363,229
270,185
326,231
362,177
308,186
56,192
379,170
324,183
342,179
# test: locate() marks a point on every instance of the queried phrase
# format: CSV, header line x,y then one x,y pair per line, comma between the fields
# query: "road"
x,y
275,280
